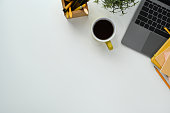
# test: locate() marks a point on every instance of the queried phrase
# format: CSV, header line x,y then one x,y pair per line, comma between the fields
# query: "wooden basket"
x,y
77,13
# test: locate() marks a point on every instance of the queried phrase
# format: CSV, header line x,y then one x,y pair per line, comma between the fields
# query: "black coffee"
x,y
103,29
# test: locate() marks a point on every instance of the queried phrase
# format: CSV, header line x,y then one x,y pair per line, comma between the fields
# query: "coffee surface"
x,y
103,29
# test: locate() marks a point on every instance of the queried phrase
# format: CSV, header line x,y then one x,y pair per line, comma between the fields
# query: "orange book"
x,y
161,59
164,77
166,67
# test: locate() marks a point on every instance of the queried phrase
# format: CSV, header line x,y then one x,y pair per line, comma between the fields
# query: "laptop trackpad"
x,y
153,44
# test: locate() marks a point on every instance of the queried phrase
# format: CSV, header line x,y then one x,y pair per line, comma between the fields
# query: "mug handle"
x,y
109,45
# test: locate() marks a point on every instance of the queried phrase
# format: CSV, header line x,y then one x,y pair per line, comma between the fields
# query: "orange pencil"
x,y
162,77
167,30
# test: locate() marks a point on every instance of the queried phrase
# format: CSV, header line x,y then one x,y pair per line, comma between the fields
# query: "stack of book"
x,y
161,60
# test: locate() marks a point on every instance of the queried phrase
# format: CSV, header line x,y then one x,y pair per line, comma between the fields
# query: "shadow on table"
x,y
79,22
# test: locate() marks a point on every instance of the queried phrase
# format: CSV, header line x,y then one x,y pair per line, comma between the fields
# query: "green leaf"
x,y
117,5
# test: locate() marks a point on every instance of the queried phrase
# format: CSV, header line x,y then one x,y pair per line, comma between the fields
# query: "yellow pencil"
x,y
67,15
167,30
66,7
80,7
70,12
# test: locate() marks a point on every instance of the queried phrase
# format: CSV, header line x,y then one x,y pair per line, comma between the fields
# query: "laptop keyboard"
x,y
154,17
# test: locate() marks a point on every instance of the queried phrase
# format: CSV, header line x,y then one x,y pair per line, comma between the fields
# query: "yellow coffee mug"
x,y
103,30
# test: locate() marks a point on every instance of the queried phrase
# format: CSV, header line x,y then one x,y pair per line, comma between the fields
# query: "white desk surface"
x,y
51,65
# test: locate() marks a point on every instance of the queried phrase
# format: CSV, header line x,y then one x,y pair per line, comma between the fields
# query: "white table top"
x,y
51,65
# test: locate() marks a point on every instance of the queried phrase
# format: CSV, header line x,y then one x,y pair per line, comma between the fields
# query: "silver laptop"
x,y
146,33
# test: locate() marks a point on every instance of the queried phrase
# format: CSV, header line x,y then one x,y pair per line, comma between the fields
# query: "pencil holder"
x,y
75,14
